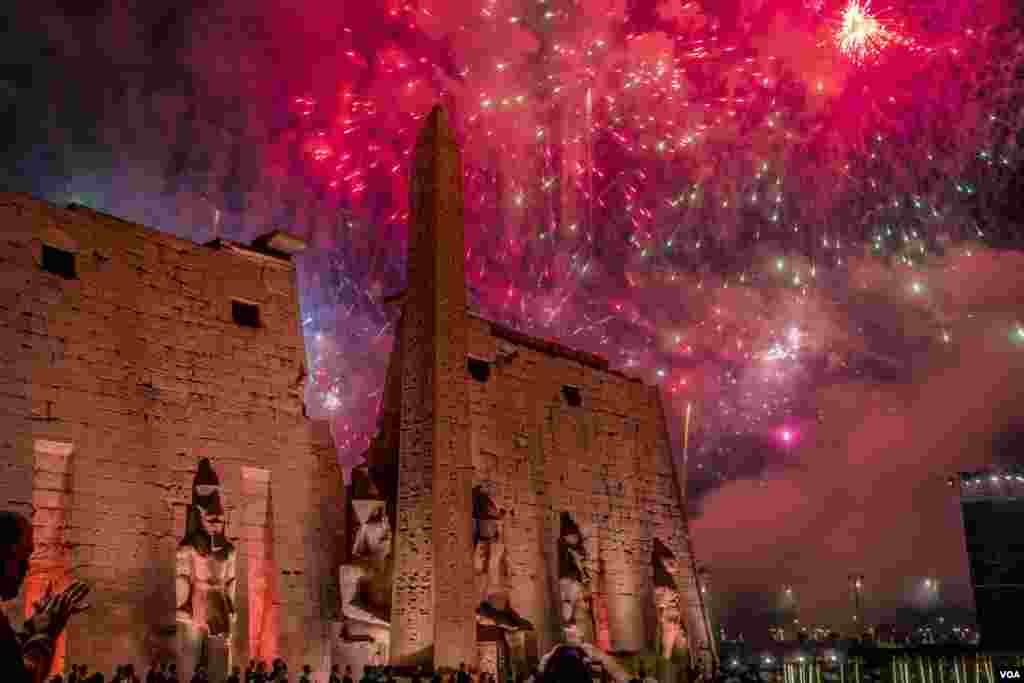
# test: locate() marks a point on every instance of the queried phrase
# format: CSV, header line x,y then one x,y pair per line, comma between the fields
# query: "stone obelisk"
x,y
433,618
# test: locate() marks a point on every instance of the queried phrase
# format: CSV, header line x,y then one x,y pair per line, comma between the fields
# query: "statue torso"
x,y
211,575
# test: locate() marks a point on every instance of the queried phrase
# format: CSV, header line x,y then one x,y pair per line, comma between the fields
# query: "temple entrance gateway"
x,y
517,486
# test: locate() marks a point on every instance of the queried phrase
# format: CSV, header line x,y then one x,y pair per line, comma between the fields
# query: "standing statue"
x,y
205,583
491,566
573,577
666,599
365,581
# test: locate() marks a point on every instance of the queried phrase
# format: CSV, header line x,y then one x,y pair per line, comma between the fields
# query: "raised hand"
x,y
41,617
73,598
52,611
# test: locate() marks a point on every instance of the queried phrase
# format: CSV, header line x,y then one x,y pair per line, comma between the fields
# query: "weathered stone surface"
x,y
138,368
433,615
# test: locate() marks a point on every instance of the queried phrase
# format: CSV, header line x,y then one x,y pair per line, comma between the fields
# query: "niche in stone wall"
x,y
245,314
572,396
478,369
51,494
261,568
57,252
59,262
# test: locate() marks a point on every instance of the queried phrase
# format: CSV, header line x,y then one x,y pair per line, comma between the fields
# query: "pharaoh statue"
x,y
491,566
365,580
205,579
666,599
573,580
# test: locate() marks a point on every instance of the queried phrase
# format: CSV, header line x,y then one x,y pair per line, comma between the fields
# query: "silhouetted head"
x,y
16,548
567,665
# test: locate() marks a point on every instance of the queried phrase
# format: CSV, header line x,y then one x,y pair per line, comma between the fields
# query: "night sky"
x,y
801,218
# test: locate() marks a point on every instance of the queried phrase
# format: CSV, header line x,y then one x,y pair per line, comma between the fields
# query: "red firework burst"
x,y
860,35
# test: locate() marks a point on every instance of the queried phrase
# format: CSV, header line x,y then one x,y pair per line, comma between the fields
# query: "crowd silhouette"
x,y
167,672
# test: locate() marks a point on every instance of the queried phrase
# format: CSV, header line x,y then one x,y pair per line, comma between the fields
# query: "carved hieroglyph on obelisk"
x,y
433,614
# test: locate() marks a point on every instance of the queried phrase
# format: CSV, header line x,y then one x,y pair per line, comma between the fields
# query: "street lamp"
x,y
788,600
857,585
931,587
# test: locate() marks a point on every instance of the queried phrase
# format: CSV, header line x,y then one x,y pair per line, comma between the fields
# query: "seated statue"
x,y
206,563
573,578
666,600
491,567
365,580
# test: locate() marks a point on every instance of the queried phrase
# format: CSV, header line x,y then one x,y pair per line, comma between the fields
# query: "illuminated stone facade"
x,y
548,434
120,371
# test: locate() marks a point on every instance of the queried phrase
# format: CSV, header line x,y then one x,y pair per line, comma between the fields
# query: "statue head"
x,y
206,497
487,518
665,566
572,553
373,536
205,526
570,533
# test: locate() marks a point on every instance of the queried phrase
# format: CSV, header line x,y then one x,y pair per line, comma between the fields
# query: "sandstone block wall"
x,y
607,462
136,369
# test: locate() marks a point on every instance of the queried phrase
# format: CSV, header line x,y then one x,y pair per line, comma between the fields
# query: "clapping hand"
x,y
52,611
